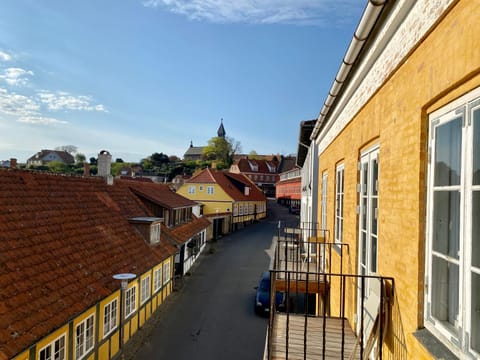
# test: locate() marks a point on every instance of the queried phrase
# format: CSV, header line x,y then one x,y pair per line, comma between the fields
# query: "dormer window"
x,y
253,166
149,227
271,168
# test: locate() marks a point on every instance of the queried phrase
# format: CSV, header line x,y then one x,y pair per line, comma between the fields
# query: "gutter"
x,y
367,22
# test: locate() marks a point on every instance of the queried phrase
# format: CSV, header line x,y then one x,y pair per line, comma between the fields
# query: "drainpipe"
x,y
367,22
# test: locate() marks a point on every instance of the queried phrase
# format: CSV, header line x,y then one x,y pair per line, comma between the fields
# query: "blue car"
x,y
262,296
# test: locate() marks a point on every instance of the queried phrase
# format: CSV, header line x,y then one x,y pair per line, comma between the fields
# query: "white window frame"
x,y
110,317
323,224
51,352
166,272
240,209
456,336
130,301
191,189
210,190
145,289
85,337
157,279
339,197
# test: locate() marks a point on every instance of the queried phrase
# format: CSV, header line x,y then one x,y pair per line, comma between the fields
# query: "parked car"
x,y
262,296
294,210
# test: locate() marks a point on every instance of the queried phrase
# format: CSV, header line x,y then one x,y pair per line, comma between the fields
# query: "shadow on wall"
x,y
395,340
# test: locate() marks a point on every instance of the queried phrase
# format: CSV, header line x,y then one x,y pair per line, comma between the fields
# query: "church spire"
x,y
221,130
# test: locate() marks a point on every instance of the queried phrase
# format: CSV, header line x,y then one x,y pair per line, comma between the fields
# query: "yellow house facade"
x,y
97,332
398,145
229,199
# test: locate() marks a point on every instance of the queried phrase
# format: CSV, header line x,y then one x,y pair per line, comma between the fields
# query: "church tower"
x,y
221,130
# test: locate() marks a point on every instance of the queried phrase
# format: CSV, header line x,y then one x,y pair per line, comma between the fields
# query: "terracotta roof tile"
x,y
232,184
61,240
184,232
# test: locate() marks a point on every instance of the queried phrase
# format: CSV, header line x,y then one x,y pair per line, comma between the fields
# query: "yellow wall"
x,y
52,337
444,66
219,200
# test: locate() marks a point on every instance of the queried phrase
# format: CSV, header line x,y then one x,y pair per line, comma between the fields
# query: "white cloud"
x,y
61,100
17,105
4,56
40,120
24,109
15,76
304,12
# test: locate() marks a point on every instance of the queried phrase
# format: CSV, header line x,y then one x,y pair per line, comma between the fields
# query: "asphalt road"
x,y
212,315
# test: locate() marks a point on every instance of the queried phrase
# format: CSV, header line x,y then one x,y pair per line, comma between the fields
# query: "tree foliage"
x,y
221,150
80,158
71,149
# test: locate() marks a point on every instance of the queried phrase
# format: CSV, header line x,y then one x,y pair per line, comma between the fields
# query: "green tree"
x,y
80,158
253,155
58,167
221,150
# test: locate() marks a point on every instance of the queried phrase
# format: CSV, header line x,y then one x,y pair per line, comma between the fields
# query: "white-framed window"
x,y
145,289
157,279
324,200
54,351
235,210
339,190
166,272
210,190
84,337
240,209
110,317
130,301
200,188
453,226
191,189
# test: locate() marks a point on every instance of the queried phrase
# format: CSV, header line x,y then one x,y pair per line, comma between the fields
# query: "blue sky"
x,y
136,77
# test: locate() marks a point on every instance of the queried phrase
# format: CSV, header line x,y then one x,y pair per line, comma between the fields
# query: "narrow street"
x,y
212,315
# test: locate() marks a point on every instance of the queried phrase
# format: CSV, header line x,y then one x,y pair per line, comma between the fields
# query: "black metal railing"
x,y
361,310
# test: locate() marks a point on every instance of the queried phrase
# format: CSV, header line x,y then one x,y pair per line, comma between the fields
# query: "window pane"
x,y
476,147
375,177
373,255
364,178
374,222
446,222
475,313
476,229
444,290
448,152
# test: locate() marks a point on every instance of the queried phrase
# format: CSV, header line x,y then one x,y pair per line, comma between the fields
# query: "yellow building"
x,y
231,200
398,145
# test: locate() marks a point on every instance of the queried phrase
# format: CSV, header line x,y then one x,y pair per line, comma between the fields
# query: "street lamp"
x,y
124,278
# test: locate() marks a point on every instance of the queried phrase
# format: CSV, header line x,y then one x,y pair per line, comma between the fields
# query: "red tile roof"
x,y
159,193
61,240
185,232
262,166
232,184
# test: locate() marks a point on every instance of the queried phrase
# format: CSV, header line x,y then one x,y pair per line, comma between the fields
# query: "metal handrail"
x,y
357,284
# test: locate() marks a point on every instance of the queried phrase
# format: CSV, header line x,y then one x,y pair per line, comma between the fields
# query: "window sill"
x,y
436,348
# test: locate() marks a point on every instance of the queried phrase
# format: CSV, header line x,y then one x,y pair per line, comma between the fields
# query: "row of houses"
x,y
85,262
387,255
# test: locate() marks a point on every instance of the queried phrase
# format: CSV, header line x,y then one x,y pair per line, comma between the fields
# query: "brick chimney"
x,y
86,169
13,163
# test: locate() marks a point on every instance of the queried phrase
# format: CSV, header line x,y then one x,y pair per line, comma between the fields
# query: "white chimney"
x,y
104,163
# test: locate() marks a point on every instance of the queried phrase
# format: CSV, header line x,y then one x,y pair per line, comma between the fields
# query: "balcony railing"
x,y
326,314
323,325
